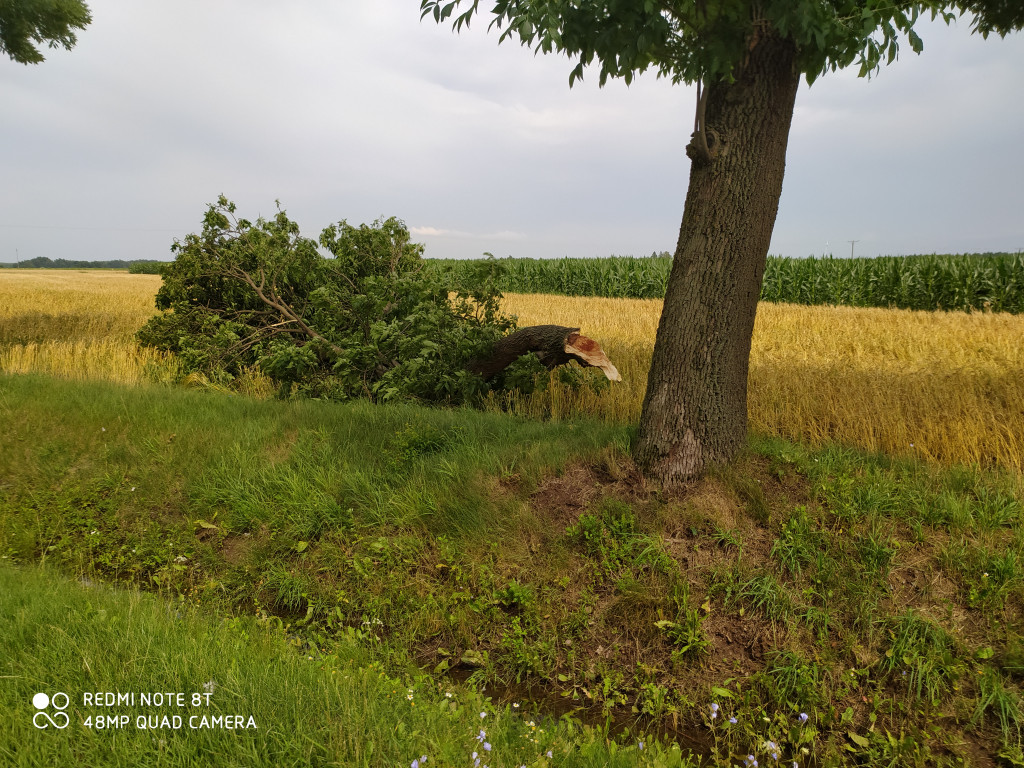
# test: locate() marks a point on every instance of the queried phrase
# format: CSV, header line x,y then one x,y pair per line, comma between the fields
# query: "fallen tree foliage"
x,y
368,321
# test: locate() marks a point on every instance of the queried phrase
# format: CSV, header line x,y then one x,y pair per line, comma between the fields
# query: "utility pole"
x,y
851,242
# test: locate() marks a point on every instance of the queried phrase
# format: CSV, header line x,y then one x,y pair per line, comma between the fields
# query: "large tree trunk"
x,y
695,408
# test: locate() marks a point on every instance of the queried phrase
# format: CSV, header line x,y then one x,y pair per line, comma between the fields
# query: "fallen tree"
x,y
368,322
554,345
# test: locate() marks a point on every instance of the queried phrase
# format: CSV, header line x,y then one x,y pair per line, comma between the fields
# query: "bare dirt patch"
x,y
565,497
235,548
706,528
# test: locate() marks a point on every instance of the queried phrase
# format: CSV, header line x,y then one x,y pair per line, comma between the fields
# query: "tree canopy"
x,y
25,24
706,40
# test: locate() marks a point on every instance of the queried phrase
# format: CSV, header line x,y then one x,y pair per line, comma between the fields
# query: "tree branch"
x,y
273,300
699,149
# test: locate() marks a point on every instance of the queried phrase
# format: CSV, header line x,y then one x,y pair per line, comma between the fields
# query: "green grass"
x,y
306,708
296,468
882,598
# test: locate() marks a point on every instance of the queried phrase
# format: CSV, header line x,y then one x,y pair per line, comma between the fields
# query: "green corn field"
x,y
962,282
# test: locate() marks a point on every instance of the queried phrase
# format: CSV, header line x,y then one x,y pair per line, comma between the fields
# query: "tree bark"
x,y
695,407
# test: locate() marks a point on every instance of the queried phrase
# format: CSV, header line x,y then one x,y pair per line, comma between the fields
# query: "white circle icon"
x,y
43,719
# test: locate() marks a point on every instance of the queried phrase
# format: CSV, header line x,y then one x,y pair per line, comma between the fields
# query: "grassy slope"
x,y
882,599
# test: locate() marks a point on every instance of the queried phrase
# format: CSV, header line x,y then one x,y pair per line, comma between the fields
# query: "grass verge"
x,y
827,606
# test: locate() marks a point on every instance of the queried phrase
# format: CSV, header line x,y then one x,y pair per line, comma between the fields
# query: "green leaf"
x,y
860,741
916,43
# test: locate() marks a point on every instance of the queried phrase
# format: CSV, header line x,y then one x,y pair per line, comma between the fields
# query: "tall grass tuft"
x,y
311,708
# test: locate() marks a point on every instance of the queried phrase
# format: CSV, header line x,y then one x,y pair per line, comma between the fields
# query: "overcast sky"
x,y
354,109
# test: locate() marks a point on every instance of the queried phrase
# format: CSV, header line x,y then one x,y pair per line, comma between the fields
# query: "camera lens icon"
x,y
42,718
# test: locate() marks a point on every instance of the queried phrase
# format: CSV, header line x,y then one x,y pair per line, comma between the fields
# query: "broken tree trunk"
x,y
554,345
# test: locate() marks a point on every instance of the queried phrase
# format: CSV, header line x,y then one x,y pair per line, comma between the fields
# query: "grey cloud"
x,y
357,109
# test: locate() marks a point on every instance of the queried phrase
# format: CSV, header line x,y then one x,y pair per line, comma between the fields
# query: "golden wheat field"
x,y
77,324
948,387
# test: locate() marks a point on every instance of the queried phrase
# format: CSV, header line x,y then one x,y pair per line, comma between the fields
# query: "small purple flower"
x,y
751,762
641,745
733,720
714,711
481,736
548,753
803,717
775,755
487,746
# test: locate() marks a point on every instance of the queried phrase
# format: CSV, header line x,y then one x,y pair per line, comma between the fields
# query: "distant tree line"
x,y
137,266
